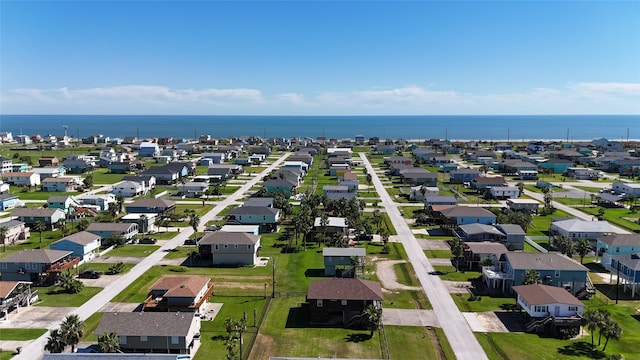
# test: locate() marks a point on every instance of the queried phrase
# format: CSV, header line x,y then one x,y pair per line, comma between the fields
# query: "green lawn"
x,y
181,252
6,355
21,334
468,303
104,267
618,216
450,274
54,296
198,208
588,188
102,176
165,235
438,254
132,250
541,224
37,195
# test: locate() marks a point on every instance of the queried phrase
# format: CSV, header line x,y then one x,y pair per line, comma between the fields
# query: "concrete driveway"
x,y
409,317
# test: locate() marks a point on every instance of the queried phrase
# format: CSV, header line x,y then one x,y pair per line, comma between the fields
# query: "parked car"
x,y
147,240
211,228
191,242
90,274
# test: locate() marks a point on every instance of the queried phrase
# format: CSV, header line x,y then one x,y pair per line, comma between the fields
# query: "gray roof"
x,y
441,199
60,198
344,252
41,256
538,261
146,323
253,210
331,221
630,260
335,188
278,182
82,238
578,225
475,229
35,212
109,227
155,202
228,238
4,197
11,223
113,356
487,247
511,229
259,201
621,239
467,211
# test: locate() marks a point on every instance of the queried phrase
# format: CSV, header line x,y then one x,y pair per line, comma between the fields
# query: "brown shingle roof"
x,y
538,294
181,286
146,323
28,212
345,289
490,180
6,287
228,238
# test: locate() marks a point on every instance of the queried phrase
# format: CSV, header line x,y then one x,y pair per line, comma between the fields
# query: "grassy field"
x,y
132,250
21,334
54,296
104,267
618,216
102,176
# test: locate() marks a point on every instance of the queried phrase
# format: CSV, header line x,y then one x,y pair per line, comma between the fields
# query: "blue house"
x,y
558,166
64,203
343,260
267,217
554,270
148,149
8,201
84,245
628,268
464,175
275,186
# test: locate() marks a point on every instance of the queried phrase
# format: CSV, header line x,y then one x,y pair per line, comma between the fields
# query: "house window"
x,y
144,338
344,302
175,340
541,308
235,246
216,247
123,340
573,308
4,265
617,248
319,303
225,246
557,273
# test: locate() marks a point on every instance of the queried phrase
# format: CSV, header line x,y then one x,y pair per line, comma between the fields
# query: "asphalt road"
x,y
35,350
455,326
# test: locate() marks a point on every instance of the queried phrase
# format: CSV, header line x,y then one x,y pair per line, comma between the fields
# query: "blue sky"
x,y
319,57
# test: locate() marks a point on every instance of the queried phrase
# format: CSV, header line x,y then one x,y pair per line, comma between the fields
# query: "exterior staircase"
x,y
587,291
537,324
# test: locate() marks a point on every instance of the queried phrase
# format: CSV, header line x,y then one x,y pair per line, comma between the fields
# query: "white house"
x,y
504,192
578,229
193,188
539,300
21,178
416,193
626,188
128,189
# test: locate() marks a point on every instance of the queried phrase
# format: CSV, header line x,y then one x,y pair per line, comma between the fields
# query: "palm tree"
x,y
457,249
531,277
62,224
520,187
109,343
113,211
372,317
83,224
3,236
72,329
591,319
604,318
39,226
194,222
583,247
612,330
120,202
55,343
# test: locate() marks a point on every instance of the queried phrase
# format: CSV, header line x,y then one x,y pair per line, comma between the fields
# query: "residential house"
x,y
50,161
343,262
398,160
121,167
31,216
483,183
554,270
626,188
66,203
99,202
163,174
193,189
336,192
339,169
627,268
549,308
513,236
385,149
124,232
78,166
535,147
8,201
247,229
6,165
478,232
579,229
512,166
259,201
350,180
419,176
461,176
582,173
152,332
4,187
431,200
523,205
333,225
342,299
556,166
50,172
147,181
290,174
128,189
148,149
283,186
14,295
146,221
478,254
59,184
16,230
418,193
39,266
617,244
268,218
461,215
179,293
229,248
155,206
84,245
21,178
504,192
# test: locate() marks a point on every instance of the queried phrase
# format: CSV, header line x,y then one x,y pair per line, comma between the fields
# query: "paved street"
x,y
455,326
35,349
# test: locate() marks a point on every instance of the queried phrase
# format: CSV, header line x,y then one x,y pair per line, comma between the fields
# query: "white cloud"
x,y
573,98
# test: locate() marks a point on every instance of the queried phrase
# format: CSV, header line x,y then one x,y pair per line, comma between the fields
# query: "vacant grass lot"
x,y
21,334
618,216
54,296
103,176
132,250
104,267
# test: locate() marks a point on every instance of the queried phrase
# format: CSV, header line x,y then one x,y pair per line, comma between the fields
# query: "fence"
x,y
384,345
254,335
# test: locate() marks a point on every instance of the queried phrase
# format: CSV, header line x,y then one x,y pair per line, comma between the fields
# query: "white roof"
x,y
331,221
138,216
578,225
523,201
249,229
344,252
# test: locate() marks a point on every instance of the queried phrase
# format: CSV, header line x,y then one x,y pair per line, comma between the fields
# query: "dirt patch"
x,y
433,244
435,341
387,276
239,285
263,347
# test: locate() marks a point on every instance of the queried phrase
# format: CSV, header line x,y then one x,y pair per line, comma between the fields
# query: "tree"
x,y
62,224
583,247
69,284
120,203
566,246
109,343
194,222
3,236
531,277
369,179
605,318
39,227
591,319
55,342
372,317
457,249
72,329
88,181
377,219
384,236
612,330
83,224
601,212
520,187
113,211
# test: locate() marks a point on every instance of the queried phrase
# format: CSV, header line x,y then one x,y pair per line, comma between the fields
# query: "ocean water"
x,y
514,128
